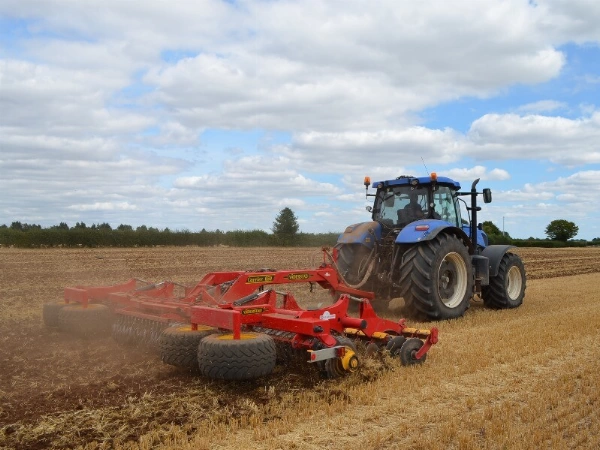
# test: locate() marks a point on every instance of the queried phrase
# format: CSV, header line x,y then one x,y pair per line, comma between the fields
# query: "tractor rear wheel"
x,y
507,289
223,357
179,345
436,277
91,321
355,264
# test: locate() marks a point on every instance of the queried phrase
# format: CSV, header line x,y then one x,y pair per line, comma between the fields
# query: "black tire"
x,y
408,350
122,329
507,289
353,263
92,321
145,333
50,314
288,356
222,357
394,345
179,345
436,278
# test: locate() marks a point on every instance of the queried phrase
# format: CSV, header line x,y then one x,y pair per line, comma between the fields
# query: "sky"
x,y
218,114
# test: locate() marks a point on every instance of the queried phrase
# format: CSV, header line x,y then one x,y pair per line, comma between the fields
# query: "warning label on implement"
x,y
247,311
298,276
257,279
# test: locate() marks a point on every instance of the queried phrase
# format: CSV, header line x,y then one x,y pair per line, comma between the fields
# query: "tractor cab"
x,y
407,199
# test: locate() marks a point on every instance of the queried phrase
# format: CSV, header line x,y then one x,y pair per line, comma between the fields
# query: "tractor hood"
x,y
366,233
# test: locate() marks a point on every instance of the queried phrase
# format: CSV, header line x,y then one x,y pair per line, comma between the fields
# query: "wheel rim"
x,y
452,282
514,282
188,328
243,337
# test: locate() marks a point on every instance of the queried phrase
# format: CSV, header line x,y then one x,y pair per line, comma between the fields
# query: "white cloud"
x,y
573,20
39,99
542,106
535,137
362,69
477,172
568,197
90,112
104,206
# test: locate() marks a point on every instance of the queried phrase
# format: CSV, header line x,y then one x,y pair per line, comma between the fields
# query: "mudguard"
x,y
495,253
365,233
415,232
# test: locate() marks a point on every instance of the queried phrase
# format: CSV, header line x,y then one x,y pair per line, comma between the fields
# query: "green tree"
x,y
31,226
561,230
490,228
495,235
285,228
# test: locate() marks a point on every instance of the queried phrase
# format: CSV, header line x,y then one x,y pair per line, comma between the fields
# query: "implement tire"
x,y
222,357
179,345
436,277
93,321
50,313
507,289
408,350
122,331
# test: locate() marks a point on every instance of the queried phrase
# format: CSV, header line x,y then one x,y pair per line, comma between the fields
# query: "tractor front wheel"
x,y
507,289
222,357
436,277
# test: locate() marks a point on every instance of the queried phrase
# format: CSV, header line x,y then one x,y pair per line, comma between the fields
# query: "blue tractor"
x,y
418,247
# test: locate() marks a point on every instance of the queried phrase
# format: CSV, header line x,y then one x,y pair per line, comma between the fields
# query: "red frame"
x,y
217,301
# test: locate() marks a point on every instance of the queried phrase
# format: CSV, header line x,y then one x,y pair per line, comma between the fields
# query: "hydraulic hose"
x,y
368,272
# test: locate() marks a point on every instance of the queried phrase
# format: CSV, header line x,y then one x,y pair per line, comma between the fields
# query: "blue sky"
x,y
212,114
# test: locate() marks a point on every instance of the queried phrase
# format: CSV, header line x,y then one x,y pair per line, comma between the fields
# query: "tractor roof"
x,y
408,180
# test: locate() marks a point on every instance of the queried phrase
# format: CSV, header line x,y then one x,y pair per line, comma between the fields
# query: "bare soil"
x,y
522,378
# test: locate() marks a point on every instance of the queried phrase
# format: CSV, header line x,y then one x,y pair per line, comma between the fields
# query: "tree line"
x,y
148,236
285,232
560,233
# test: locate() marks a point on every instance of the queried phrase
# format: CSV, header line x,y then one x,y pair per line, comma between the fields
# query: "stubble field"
x,y
524,378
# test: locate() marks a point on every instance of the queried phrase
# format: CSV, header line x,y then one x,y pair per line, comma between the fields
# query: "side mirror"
x,y
369,208
487,195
